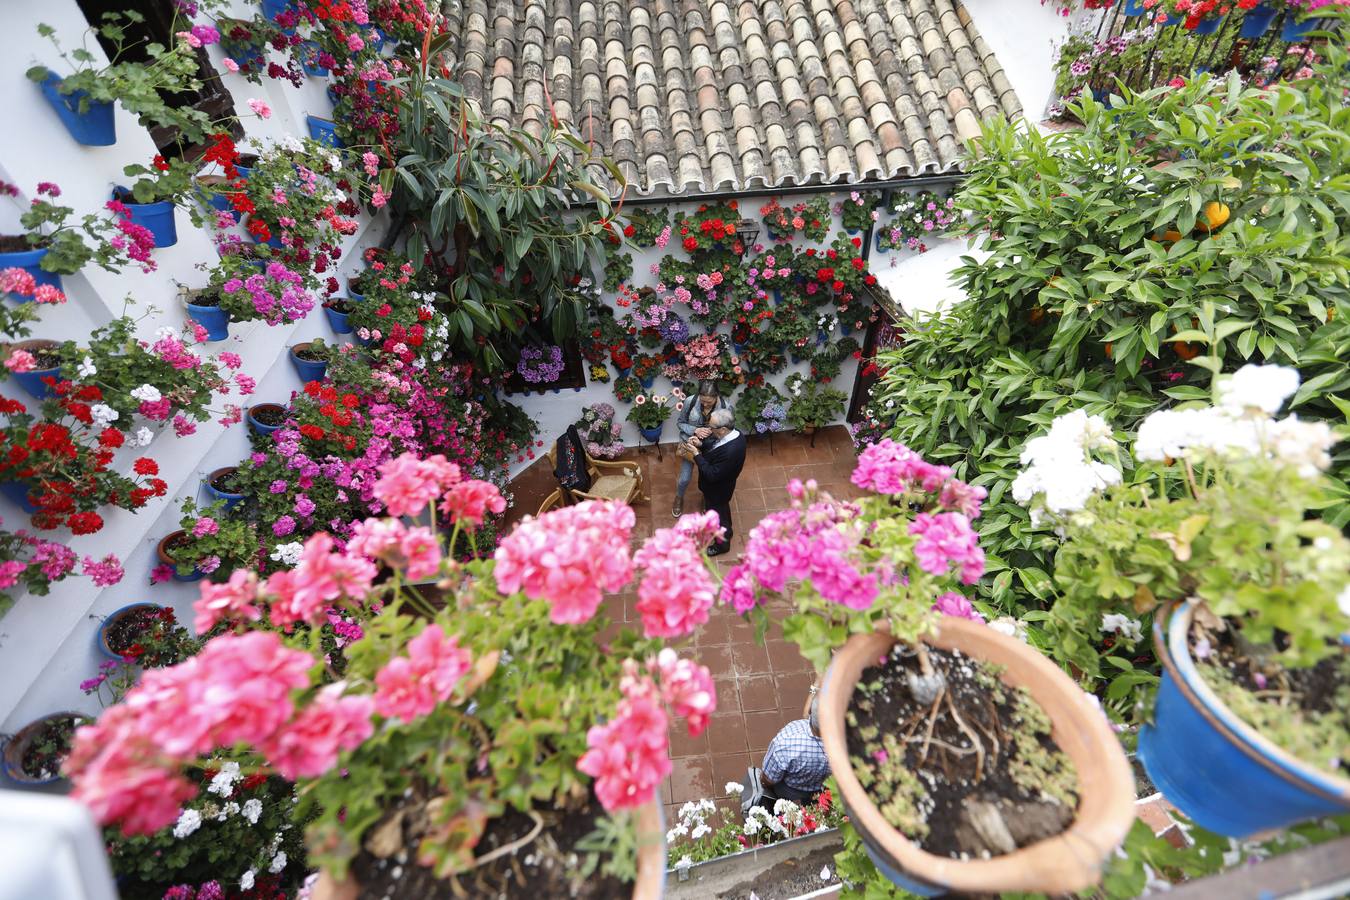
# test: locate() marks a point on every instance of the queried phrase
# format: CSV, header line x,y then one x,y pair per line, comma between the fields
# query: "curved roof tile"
x,y
721,95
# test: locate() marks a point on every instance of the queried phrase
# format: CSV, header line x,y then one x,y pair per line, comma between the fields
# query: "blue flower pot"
x,y
332,95
338,321
324,131
1133,8
215,493
30,261
215,320
310,51
101,638
1216,769
363,342
647,382
777,297
94,128
1208,25
16,492
623,373
653,434
274,241
157,217
247,55
821,337
32,381
218,200
876,240
260,427
352,295
273,8
308,369
162,558
1257,20
845,329
1295,30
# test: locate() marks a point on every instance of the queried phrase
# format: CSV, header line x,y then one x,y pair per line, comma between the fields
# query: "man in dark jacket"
x,y
720,457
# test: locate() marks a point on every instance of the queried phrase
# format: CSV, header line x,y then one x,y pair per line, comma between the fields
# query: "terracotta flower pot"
x,y
1065,863
162,551
651,863
15,747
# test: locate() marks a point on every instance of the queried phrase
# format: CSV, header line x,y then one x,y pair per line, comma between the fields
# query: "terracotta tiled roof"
x,y
716,95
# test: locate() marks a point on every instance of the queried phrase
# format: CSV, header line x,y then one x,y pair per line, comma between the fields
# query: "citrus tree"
x,y
1179,233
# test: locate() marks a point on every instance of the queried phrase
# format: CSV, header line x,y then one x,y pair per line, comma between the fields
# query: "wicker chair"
x,y
610,480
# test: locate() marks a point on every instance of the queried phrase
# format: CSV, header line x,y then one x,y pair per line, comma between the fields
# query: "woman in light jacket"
x,y
693,423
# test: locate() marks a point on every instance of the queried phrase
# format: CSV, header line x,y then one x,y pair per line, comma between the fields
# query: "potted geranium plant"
x,y
452,733
310,359
649,413
599,432
795,328
646,224
35,753
646,366
938,728
83,98
155,381
1216,538
626,388
145,635
917,219
35,564
858,210
210,542
811,404
55,243
761,410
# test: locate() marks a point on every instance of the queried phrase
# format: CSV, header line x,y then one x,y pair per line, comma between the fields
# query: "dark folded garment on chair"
x,y
571,470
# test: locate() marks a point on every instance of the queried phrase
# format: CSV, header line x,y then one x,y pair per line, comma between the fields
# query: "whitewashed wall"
x,y
47,643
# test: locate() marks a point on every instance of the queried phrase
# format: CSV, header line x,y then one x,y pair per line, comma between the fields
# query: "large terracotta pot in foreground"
x,y
651,863
1065,863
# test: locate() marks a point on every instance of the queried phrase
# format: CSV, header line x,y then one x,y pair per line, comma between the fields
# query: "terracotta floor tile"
x,y
681,744
760,728
718,659
726,733
750,658
728,767
758,693
717,630
793,689
785,657
728,695
691,778
665,791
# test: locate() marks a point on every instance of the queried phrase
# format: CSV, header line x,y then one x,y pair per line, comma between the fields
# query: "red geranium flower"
x,y
145,466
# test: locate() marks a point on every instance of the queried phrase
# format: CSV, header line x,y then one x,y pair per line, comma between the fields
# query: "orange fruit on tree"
x,y
1171,236
1212,216
1185,350
1035,315
1108,349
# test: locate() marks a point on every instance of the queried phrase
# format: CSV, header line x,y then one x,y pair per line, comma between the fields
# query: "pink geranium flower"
x,y
953,604
676,591
470,501
231,600
569,557
407,484
629,755
407,688
307,746
687,688
946,540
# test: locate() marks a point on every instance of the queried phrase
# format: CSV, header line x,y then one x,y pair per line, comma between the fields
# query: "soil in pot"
x,y
45,358
18,243
545,866
966,771
309,354
344,307
49,745
268,414
168,550
228,481
210,298
123,634
1304,711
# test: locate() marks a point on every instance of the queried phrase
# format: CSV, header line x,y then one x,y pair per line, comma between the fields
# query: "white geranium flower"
x,y
252,810
734,788
278,862
229,809
288,554
87,369
246,880
103,414
189,820
223,781
147,393
677,831
143,437
1119,623
1255,387
700,830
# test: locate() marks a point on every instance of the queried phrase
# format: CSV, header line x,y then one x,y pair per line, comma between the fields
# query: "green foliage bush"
x,y
1086,301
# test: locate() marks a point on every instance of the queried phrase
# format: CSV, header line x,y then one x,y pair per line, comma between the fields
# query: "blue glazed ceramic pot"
x,y
95,127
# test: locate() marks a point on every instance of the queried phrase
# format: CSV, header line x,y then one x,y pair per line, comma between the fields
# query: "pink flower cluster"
x,y
103,572
408,687
805,543
236,691
676,591
415,551
18,281
953,604
890,468
687,688
946,540
629,755
407,484
569,557
303,594
470,501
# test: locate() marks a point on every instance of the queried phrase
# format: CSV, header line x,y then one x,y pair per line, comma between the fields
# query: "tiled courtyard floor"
x,y
760,688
